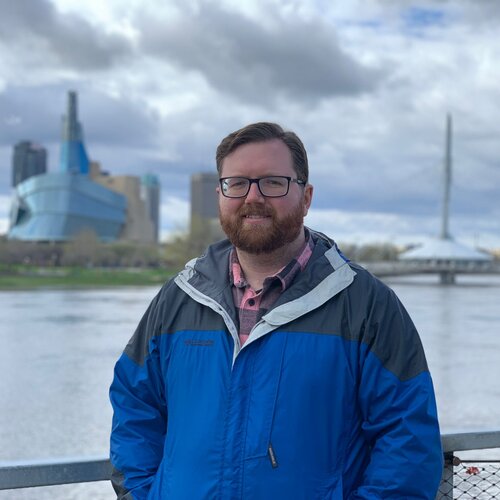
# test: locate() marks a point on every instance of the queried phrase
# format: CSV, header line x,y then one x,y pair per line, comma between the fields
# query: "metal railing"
x,y
479,479
49,473
470,478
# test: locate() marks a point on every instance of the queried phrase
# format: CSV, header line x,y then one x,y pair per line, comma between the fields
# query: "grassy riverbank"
x,y
29,277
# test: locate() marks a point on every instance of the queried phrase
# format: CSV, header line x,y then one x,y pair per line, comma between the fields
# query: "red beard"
x,y
266,238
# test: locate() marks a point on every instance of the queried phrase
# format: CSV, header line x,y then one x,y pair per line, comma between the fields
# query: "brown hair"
x,y
261,132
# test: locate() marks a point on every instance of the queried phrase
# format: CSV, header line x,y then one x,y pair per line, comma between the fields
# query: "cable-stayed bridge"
x,y
443,255
443,268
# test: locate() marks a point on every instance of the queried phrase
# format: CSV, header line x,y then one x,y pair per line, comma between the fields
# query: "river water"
x,y
58,349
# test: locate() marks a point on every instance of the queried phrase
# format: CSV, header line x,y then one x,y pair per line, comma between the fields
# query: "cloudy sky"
x,y
366,84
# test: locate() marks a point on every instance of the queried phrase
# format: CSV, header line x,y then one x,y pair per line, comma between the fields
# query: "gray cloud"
x,y
297,58
209,70
26,114
116,131
29,115
481,11
55,38
117,122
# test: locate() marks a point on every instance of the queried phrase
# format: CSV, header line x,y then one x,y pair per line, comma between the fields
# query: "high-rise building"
x,y
28,159
203,195
150,195
204,204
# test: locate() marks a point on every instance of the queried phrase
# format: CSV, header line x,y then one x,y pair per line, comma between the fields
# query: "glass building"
x,y
58,206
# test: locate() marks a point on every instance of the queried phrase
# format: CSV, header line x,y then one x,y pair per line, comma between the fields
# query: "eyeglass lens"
x,y
268,186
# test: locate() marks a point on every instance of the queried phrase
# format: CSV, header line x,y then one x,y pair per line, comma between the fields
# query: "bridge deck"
x,y
401,268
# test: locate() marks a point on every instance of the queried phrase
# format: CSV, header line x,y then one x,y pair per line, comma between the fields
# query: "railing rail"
x,y
49,473
465,441
15,475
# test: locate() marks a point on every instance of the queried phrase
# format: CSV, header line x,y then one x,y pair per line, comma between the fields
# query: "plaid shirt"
x,y
251,304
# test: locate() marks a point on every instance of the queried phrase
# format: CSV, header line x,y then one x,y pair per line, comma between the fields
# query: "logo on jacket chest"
x,y
199,343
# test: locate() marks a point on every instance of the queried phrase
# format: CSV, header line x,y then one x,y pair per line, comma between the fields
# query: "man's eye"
x,y
237,184
273,182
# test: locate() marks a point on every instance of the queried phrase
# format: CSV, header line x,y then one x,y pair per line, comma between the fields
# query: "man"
x,y
271,367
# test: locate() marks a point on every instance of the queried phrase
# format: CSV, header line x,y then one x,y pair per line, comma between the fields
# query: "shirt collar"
x,y
285,275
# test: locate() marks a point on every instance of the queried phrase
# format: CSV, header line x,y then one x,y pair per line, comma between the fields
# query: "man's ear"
x,y
308,195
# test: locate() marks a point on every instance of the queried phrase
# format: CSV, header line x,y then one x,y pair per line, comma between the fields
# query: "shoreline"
x,y
33,278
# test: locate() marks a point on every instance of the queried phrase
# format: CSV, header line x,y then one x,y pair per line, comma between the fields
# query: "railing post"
x,y
446,487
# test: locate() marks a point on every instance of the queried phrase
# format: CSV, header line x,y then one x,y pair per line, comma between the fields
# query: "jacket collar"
x,y
206,280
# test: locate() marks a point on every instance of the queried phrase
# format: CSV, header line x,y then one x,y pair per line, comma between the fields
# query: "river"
x,y
58,349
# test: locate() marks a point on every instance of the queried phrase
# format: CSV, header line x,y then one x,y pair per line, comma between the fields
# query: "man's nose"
x,y
254,195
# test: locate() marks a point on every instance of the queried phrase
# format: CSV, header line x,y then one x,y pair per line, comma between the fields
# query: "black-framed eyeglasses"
x,y
273,186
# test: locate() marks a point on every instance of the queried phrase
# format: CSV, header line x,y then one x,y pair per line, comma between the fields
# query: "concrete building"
x,y
203,195
150,195
139,226
28,159
204,204
80,197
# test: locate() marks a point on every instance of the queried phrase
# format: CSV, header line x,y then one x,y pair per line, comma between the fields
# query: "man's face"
x,y
258,224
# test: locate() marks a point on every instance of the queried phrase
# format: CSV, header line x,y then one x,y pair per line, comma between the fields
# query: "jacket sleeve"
x,y
139,411
398,406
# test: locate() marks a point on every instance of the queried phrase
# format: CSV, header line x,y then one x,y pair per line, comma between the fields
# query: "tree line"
x,y
86,250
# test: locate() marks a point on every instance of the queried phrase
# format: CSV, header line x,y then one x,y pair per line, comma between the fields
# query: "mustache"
x,y
255,210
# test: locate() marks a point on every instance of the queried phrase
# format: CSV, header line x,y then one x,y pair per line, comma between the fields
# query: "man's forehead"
x,y
265,152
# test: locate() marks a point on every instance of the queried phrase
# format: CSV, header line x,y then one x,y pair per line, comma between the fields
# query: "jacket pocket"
x,y
263,398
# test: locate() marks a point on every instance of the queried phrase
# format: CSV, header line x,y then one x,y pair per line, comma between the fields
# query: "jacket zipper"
x,y
272,456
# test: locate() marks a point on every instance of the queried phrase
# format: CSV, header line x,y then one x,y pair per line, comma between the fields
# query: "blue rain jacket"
x,y
330,397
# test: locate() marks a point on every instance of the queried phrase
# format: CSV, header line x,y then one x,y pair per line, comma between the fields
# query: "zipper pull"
x,y
272,456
